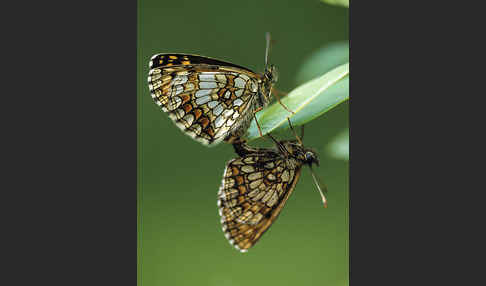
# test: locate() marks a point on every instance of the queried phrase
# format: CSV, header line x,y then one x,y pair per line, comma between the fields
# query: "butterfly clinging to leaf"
x,y
256,187
208,99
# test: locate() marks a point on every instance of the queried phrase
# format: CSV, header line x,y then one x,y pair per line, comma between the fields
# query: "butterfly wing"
x,y
206,98
254,190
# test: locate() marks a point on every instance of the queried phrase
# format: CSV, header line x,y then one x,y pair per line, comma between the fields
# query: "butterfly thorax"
x,y
270,77
294,150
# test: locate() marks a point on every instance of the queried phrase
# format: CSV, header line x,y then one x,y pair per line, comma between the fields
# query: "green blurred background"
x,y
180,241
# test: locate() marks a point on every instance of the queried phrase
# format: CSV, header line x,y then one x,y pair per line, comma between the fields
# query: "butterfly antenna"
x,y
295,133
273,139
267,49
316,181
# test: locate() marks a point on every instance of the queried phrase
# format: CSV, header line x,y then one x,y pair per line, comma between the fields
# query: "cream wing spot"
x,y
273,200
155,76
208,85
197,129
230,203
180,113
155,71
237,162
156,84
229,122
229,182
254,176
177,90
212,104
247,169
219,121
206,77
227,94
239,92
189,86
285,176
238,102
221,78
203,92
253,193
253,86
180,79
263,187
202,100
255,184
174,103
239,82
228,112
189,118
256,218
267,196
222,130
217,110
259,195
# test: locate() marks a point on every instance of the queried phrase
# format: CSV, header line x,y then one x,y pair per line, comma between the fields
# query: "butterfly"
x,y
257,185
209,99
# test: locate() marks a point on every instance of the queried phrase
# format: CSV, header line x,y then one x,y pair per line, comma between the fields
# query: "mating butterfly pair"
x,y
211,101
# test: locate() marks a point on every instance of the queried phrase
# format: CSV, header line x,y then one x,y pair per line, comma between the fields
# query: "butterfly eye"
x,y
309,156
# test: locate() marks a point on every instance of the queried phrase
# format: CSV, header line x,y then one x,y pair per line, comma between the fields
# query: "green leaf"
x,y
308,101
344,3
339,146
323,60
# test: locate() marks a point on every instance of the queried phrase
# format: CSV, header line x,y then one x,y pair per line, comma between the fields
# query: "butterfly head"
x,y
271,74
305,155
310,157
269,78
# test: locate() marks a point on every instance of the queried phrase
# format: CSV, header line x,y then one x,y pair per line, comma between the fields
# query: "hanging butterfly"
x,y
208,99
256,187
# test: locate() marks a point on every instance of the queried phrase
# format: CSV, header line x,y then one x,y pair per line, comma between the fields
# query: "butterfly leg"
x,y
295,133
242,149
273,139
276,92
280,146
256,121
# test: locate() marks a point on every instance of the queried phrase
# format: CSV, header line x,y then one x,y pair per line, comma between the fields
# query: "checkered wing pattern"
x,y
206,98
254,190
